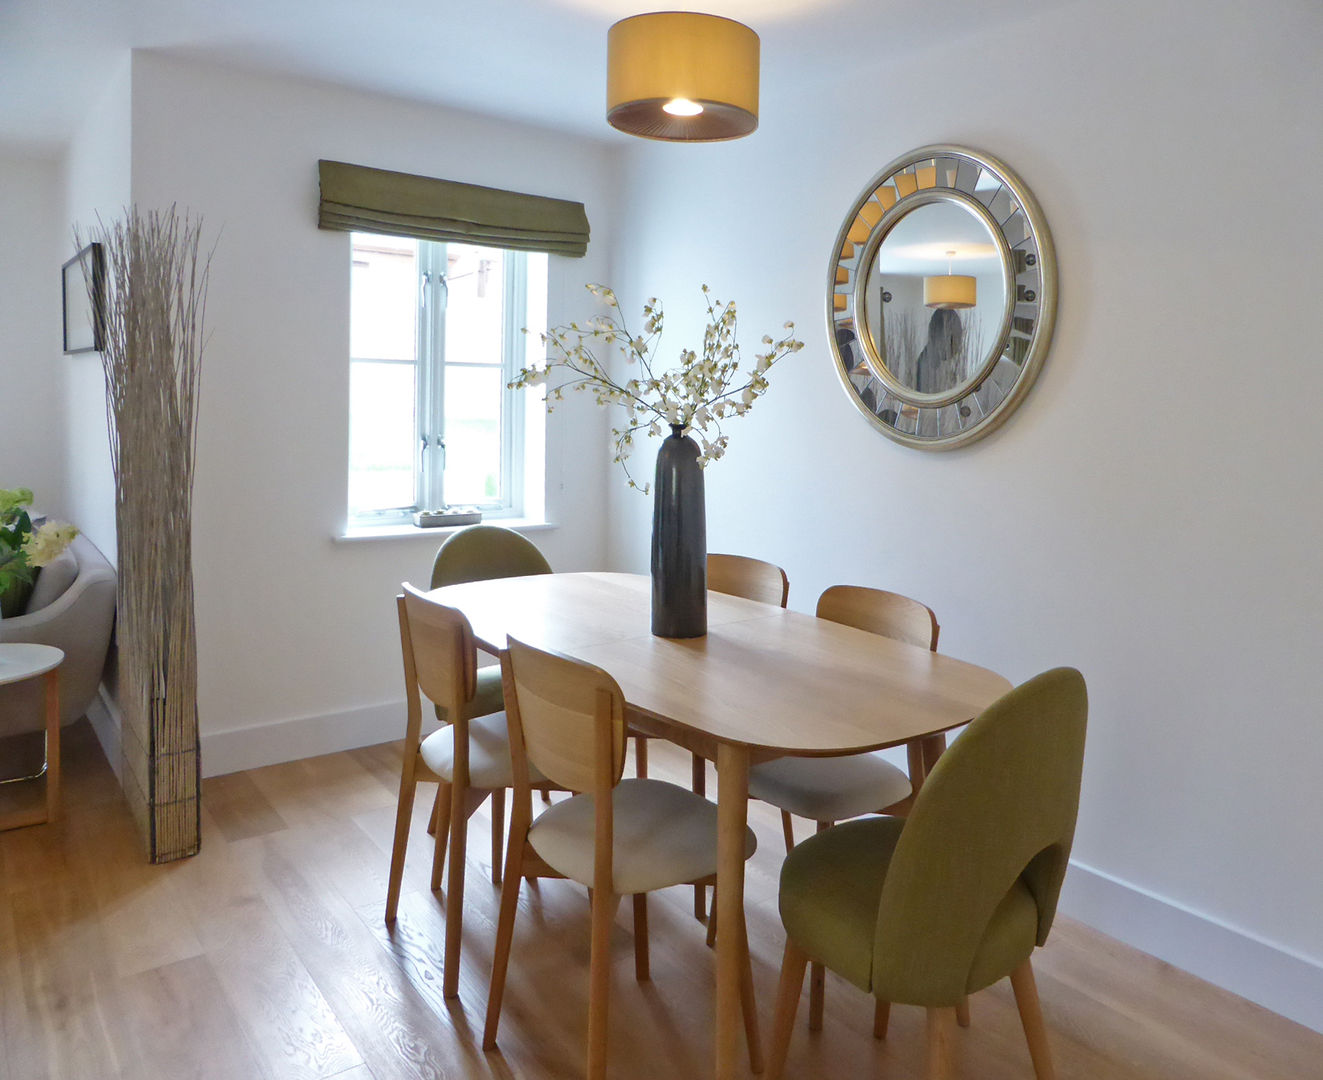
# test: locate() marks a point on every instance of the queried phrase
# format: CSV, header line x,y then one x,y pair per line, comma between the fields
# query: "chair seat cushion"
x,y
831,788
831,888
487,698
489,753
664,835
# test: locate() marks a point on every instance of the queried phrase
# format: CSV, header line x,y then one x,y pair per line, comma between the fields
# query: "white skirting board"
x,y
1268,974
301,737
1275,977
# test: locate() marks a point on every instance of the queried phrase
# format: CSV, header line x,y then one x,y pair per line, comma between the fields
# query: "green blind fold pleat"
x,y
356,198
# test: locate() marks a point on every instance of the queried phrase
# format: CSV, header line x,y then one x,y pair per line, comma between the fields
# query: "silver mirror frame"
x,y
1008,208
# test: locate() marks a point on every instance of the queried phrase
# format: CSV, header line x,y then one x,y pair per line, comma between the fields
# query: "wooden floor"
x,y
265,956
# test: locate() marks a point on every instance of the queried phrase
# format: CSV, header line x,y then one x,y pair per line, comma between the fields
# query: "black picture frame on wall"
x,y
84,311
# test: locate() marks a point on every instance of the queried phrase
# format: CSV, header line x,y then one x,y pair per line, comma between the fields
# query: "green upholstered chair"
x,y
479,553
927,909
831,789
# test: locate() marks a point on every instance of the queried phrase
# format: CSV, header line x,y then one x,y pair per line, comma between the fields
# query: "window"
x,y
435,335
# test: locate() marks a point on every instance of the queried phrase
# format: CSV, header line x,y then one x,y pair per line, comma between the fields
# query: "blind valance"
x,y
357,198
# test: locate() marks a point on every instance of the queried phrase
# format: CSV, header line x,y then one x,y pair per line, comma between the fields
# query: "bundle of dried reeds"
x,y
154,314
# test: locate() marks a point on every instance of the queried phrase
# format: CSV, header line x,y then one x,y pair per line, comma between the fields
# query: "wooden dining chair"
x,y
468,758
827,790
617,837
482,553
927,909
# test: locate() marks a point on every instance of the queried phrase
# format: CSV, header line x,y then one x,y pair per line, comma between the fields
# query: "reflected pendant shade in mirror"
x,y
682,76
950,291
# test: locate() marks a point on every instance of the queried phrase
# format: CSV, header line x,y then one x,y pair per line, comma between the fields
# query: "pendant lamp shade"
x,y
950,291
682,76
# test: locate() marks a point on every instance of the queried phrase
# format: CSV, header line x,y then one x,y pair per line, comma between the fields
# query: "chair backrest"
x,y
481,552
565,716
999,806
440,657
880,612
753,579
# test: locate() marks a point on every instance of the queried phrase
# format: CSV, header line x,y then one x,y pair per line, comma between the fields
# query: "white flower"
x,y
47,543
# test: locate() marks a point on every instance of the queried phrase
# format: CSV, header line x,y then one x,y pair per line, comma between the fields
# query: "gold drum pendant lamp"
x,y
682,76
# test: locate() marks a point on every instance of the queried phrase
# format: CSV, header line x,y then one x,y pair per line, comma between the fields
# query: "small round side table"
x,y
19,661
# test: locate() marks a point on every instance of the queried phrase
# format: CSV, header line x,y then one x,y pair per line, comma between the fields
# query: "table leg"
x,y
933,748
52,744
732,820
917,767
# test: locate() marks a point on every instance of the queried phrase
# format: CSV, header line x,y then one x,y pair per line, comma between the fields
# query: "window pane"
x,y
382,436
475,278
383,298
473,434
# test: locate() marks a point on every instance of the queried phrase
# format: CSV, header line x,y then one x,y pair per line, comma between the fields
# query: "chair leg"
x,y
641,971
403,818
498,828
881,1019
640,756
962,1012
504,935
1031,1019
749,1005
436,808
599,981
787,1004
698,777
817,976
788,829
442,836
941,1036
459,828
817,995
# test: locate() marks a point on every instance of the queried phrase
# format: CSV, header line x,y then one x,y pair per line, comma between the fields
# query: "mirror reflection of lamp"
x,y
950,291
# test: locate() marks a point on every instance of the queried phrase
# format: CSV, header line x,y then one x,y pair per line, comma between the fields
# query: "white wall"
x,y
31,226
97,182
297,635
1151,514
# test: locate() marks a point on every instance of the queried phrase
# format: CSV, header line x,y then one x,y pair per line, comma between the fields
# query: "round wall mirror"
x,y
941,296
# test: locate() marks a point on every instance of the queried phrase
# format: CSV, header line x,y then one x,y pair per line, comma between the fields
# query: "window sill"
x,y
355,533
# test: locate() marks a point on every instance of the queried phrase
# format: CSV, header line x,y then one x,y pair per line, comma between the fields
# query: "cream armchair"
x,y
77,619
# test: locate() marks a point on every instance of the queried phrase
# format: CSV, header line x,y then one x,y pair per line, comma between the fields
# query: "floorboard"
x,y
266,957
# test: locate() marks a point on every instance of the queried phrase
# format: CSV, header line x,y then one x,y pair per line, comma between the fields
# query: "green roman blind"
x,y
356,198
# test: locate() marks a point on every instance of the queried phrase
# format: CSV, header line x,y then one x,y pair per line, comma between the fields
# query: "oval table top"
x,y
22,660
776,681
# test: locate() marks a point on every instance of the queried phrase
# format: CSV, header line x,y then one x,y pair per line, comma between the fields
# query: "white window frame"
x,y
429,390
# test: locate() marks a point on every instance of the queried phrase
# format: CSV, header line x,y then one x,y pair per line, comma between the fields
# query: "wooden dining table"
x,y
764,682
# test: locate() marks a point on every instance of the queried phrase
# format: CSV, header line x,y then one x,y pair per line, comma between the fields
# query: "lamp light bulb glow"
x,y
682,107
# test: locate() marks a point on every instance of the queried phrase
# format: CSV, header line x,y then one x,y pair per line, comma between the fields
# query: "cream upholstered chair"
x,y
827,790
927,909
618,837
469,757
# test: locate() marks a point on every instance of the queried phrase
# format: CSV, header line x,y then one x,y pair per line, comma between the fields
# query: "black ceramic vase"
x,y
679,540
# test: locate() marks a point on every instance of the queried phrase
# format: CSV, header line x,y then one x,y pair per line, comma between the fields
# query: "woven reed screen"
x,y
155,307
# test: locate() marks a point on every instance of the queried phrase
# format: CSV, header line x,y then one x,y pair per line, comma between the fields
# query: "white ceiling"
x,y
541,61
